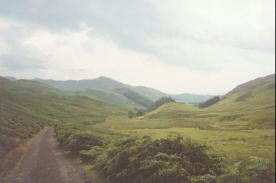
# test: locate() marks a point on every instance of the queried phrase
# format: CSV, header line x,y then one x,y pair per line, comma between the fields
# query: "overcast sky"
x,y
175,46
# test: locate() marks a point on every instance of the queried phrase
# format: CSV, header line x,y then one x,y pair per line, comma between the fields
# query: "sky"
x,y
175,46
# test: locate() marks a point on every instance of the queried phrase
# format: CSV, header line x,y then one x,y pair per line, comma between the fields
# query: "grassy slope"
x,y
239,126
34,87
110,97
23,115
149,93
29,87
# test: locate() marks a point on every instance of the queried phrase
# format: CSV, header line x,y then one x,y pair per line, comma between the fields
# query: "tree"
x,y
162,101
130,114
140,112
209,102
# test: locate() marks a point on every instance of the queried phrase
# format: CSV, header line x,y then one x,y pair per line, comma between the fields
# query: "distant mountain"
x,y
29,87
191,98
149,93
106,84
101,83
110,97
4,83
10,78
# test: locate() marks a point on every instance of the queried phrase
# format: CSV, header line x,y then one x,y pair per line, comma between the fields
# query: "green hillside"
x,y
101,83
29,87
110,97
35,87
250,108
134,97
23,115
240,125
104,83
260,97
107,84
149,93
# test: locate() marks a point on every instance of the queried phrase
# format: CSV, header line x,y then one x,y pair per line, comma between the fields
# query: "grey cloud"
x,y
16,62
131,24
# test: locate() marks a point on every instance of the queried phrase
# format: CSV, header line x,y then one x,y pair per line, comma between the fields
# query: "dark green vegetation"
x,y
138,99
158,148
161,102
17,123
122,159
209,102
132,159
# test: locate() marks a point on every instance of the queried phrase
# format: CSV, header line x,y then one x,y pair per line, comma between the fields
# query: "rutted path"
x,y
45,162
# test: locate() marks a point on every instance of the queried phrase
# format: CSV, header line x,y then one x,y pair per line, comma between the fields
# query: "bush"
x,y
80,141
252,169
173,159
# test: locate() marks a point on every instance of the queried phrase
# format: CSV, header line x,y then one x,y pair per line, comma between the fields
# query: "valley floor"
x,y
237,143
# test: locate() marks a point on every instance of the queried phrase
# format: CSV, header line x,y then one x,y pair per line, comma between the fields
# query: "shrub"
x,y
252,169
173,159
80,141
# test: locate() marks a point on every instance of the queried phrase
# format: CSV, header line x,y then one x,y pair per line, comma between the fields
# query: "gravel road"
x,y
45,162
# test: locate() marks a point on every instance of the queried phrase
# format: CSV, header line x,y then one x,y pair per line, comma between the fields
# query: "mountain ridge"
x,y
251,84
108,84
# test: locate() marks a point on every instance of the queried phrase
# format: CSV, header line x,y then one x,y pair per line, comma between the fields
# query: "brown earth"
x,y
45,162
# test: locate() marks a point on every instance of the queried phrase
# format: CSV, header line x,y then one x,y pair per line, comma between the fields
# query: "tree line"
x,y
209,102
140,112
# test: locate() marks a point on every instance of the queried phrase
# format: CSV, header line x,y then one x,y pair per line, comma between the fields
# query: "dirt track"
x,y
46,163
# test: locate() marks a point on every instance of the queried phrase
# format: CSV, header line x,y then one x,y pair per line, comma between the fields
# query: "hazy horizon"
x,y
177,46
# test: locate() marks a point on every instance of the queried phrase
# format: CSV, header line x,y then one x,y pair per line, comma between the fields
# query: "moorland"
x,y
232,140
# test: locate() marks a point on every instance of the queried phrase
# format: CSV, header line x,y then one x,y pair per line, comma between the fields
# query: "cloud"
x,y
20,62
174,46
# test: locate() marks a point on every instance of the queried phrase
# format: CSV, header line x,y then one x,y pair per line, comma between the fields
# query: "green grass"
x,y
110,97
23,115
241,125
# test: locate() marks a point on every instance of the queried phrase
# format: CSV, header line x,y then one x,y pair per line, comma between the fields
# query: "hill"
x,y
253,95
191,98
29,87
252,84
149,93
101,83
110,97
248,106
104,83
242,124
24,114
35,87
11,78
